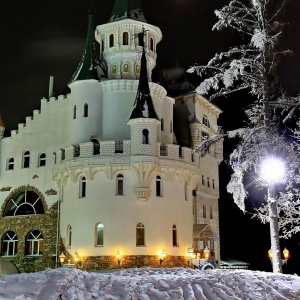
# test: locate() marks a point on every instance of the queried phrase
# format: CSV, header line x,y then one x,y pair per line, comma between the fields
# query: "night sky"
x,y
46,38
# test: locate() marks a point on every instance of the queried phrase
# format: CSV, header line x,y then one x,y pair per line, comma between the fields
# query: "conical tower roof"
x,y
143,105
127,9
87,68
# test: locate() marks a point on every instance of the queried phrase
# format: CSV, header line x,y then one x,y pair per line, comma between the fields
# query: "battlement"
x,y
122,149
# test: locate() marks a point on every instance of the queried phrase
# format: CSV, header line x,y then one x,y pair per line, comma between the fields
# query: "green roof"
x,y
127,9
87,66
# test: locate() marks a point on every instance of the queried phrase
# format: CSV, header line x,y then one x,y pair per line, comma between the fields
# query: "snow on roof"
x,y
154,283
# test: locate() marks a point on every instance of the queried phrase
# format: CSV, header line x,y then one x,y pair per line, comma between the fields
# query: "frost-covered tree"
x,y
251,66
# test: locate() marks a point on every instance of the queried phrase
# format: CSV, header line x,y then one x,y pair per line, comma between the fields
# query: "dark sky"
x,y
44,38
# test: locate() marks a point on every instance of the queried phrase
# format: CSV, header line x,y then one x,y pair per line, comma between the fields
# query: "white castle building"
x,y
98,175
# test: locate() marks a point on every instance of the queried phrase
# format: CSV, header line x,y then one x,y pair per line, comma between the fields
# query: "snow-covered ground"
x,y
177,283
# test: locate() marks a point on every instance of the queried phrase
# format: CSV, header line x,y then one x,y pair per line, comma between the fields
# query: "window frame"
x,y
97,231
11,241
42,159
120,185
175,236
140,228
82,187
31,243
10,164
26,160
158,186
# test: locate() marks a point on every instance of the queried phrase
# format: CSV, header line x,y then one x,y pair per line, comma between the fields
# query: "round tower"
x,y
121,44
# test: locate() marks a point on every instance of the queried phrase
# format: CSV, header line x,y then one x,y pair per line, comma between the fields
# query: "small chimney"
x,y
51,86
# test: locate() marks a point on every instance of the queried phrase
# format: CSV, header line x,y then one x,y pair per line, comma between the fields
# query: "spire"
x,y
143,105
88,66
127,9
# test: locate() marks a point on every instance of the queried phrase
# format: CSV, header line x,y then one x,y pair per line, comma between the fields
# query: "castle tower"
x,y
2,128
86,104
120,44
143,120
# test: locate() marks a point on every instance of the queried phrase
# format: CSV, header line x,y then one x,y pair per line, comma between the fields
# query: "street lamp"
x,y
272,171
62,258
285,252
206,252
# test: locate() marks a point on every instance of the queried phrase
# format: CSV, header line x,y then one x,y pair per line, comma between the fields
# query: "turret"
x,y
143,120
120,44
2,128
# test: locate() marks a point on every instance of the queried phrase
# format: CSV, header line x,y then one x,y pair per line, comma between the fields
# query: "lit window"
x,y
126,68
158,186
10,164
34,243
205,121
174,236
42,160
26,159
82,187
69,236
204,211
9,244
125,38
100,235
114,69
111,40
85,110
211,213
140,235
24,203
120,181
74,112
145,136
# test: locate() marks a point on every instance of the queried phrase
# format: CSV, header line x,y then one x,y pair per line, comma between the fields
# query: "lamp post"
x,y
272,172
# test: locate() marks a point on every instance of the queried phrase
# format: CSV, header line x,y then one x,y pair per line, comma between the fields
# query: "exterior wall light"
x,y
190,252
118,255
206,252
163,255
62,258
286,254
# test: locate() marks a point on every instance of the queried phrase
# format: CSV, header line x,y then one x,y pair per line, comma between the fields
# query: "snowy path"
x,y
144,284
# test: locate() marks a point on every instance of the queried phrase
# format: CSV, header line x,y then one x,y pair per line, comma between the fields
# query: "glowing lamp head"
x,y
118,254
270,253
286,253
76,257
163,253
206,252
62,258
272,170
190,252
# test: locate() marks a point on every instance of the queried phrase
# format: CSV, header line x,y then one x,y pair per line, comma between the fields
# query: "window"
x,y
140,39
26,159
10,164
125,38
126,68
120,181
114,69
204,135
205,121
140,235
137,69
82,187
213,184
111,40
171,127
102,46
96,147
151,44
85,110
42,160
24,203
203,181
204,211
63,154
74,112
186,191
208,184
162,124
9,244
34,243
174,236
211,213
158,186
99,235
69,236
145,136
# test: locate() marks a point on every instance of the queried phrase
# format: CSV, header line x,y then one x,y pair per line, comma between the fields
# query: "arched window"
x,y
82,187
151,44
205,121
10,164
120,183
9,244
211,213
24,203
137,69
203,181
140,235
126,68
174,236
34,243
26,159
74,112
204,211
111,40
158,186
145,136
69,236
85,110
100,235
114,69
42,159
125,38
